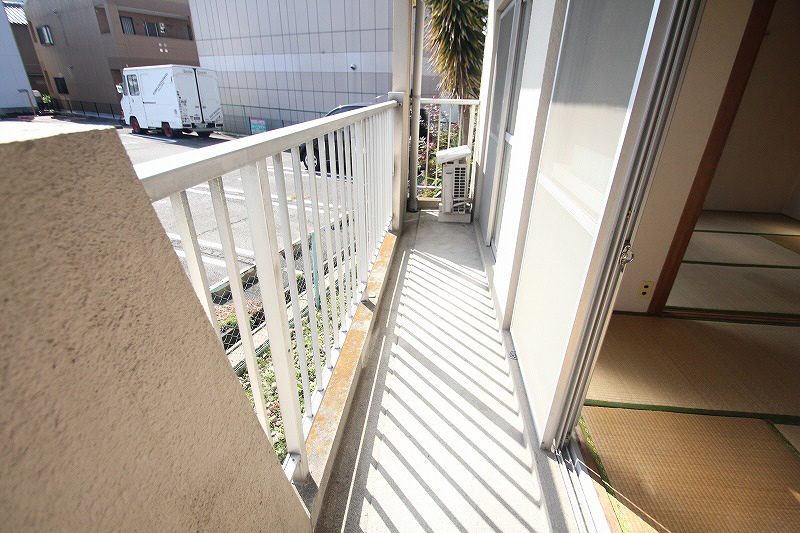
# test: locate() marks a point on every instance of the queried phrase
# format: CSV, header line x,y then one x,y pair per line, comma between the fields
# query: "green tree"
x,y
456,32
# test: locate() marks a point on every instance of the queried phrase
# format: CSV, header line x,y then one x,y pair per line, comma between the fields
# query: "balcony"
x,y
374,389
433,432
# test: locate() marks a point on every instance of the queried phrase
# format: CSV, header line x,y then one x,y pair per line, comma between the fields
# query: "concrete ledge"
x,y
428,203
329,423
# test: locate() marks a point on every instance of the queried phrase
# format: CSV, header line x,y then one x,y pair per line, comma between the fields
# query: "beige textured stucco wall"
x,y
761,163
714,50
118,408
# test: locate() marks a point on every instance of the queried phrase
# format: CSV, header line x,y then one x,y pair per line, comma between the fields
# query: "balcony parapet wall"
x,y
118,406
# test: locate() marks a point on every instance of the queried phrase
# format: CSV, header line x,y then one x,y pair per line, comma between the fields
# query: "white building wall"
x,y
14,77
287,62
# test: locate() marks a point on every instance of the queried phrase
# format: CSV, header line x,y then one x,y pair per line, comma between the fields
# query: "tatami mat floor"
x,y
737,222
683,472
695,424
746,263
698,364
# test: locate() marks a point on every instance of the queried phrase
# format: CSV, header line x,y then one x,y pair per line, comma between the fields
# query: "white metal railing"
x,y
350,208
444,123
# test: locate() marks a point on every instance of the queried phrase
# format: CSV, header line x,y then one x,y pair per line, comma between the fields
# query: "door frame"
x,y
743,64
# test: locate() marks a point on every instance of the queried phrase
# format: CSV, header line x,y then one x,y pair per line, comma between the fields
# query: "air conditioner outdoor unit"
x,y
455,177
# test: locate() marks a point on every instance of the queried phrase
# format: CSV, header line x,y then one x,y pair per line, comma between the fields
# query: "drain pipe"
x,y
416,90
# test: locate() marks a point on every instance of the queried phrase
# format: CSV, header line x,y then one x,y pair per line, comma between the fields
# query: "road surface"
x,y
147,147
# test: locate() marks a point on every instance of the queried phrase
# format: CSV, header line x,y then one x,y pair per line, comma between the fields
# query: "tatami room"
x,y
692,417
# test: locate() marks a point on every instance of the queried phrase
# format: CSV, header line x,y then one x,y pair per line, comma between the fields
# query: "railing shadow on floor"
x,y
435,442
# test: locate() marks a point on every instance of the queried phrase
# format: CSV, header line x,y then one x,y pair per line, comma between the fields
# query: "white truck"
x,y
171,98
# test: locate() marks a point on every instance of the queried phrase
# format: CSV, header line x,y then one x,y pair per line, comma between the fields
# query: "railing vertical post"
x,y
369,177
317,229
326,211
351,201
379,144
265,247
240,306
308,260
470,138
315,273
347,222
194,262
361,247
449,125
387,180
288,252
428,150
337,231
382,140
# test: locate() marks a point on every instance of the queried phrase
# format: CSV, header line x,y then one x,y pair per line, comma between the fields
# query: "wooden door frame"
x,y
726,114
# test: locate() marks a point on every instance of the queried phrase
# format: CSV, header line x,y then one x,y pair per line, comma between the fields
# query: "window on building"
x,y
61,85
151,29
133,85
102,19
45,37
127,25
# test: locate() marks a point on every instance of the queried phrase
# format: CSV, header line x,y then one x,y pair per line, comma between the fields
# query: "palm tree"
x,y
456,31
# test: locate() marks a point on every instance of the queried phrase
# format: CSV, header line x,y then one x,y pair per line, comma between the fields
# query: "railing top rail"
x,y
449,101
166,176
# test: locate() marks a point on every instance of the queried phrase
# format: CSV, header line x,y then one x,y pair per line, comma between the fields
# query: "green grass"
x,y
267,375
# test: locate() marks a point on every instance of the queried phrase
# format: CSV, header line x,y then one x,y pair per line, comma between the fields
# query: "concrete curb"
x,y
329,423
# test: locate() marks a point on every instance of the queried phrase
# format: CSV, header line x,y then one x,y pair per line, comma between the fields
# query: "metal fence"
x,y
445,123
89,109
292,313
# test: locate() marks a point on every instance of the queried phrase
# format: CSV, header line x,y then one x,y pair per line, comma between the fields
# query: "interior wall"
x,y
792,205
760,164
717,41
118,407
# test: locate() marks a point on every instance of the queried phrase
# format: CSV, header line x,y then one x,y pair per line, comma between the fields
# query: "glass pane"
x,y
501,62
595,83
498,216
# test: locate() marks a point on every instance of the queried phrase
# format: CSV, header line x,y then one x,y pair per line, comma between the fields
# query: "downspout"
x,y
416,90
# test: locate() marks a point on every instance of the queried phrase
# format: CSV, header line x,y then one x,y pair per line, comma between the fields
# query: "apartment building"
x,y
83,45
13,83
280,62
23,36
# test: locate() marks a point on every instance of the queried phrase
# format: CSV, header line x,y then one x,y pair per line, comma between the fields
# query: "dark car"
x,y
303,152
423,132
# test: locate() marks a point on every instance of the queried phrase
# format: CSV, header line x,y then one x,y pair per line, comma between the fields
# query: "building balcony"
x,y
375,390
403,406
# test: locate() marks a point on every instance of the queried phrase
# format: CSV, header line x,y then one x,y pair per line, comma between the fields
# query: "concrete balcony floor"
x,y
439,435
